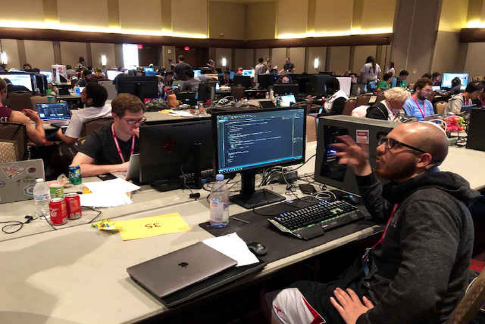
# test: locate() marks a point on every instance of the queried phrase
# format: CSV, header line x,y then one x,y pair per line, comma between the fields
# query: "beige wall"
x,y
149,12
316,52
84,13
244,57
260,20
40,54
223,52
70,52
189,16
297,56
261,52
292,17
278,57
10,47
453,15
474,60
25,10
339,59
378,14
98,49
227,19
330,17
360,55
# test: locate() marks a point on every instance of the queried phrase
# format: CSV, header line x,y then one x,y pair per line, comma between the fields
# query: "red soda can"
x,y
58,211
73,203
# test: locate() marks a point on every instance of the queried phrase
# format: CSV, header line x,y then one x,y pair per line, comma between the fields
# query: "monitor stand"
x,y
249,197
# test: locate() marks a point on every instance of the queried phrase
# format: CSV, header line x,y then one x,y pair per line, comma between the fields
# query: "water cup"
x,y
50,99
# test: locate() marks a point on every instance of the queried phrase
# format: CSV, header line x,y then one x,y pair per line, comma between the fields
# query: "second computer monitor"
x,y
141,86
286,88
245,81
448,77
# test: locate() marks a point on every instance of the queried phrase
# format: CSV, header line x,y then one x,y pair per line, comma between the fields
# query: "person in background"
x,y
284,79
418,270
391,107
86,77
168,79
354,78
455,86
110,148
98,75
27,67
171,65
401,80
391,70
94,98
436,79
426,76
227,78
482,100
385,83
418,105
472,92
70,71
211,64
370,71
15,88
288,67
182,69
35,132
268,64
260,68
239,71
81,63
478,78
335,104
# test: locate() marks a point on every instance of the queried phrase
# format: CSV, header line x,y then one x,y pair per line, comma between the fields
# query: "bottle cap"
x,y
219,177
39,180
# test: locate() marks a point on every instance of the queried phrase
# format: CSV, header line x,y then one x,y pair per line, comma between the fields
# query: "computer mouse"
x,y
354,200
257,248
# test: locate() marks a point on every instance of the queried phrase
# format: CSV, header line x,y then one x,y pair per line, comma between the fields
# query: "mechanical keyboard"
x,y
312,221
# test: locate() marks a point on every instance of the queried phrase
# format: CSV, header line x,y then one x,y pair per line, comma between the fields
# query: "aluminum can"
x,y
75,174
73,203
58,211
56,190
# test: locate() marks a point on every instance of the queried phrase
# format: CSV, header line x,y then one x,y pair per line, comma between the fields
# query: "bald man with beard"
x,y
417,272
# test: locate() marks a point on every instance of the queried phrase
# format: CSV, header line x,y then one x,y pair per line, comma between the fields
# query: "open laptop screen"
x,y
49,111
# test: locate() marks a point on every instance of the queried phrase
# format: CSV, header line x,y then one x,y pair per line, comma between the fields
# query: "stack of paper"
x,y
234,247
109,193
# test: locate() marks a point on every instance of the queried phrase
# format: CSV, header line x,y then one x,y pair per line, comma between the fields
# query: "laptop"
x,y
57,114
267,104
134,168
17,179
287,100
172,272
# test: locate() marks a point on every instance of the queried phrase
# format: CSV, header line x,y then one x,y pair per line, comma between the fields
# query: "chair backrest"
x,y
363,100
471,303
380,97
238,92
349,106
440,107
94,124
311,129
37,100
19,100
8,151
17,134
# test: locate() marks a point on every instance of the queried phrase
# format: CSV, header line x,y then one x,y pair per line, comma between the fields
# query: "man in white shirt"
x,y
94,97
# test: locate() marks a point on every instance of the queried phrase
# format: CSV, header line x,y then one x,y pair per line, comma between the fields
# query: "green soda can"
x,y
75,174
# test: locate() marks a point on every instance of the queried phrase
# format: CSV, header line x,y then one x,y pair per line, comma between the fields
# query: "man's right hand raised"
x,y
352,154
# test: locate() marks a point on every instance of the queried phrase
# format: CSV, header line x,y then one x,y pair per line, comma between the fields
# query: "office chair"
x,y
363,100
14,134
94,124
471,303
238,92
350,105
19,100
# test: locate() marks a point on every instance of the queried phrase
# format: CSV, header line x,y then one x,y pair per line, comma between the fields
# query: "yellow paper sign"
x,y
152,226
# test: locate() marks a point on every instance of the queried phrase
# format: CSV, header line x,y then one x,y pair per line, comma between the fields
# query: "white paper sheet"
x,y
115,185
234,247
108,199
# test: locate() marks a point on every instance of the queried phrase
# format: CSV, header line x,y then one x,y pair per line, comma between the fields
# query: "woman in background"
x,y
370,71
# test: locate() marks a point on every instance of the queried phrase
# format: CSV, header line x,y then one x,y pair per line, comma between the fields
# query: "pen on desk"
x,y
240,220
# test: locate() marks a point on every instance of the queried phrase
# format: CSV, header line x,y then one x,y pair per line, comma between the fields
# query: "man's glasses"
x,y
135,121
390,143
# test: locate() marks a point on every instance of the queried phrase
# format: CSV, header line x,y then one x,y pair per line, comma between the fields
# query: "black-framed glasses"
x,y
135,121
390,143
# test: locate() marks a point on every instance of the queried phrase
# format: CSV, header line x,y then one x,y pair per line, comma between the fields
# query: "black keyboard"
x,y
313,221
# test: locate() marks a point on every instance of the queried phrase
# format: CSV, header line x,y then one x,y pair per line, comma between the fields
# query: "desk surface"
x,y
78,274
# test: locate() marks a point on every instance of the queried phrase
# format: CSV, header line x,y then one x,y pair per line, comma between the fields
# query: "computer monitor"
x,y
246,141
170,148
345,84
265,80
248,73
140,86
48,74
149,71
187,98
372,86
317,84
286,88
20,79
288,100
111,74
327,167
447,77
243,80
197,73
394,82
53,111
231,75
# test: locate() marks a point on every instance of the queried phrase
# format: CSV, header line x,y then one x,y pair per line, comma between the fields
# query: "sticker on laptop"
x,y
12,171
29,190
31,170
362,136
2,184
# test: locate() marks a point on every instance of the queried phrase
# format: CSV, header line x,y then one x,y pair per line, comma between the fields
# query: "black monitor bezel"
x,y
215,138
31,74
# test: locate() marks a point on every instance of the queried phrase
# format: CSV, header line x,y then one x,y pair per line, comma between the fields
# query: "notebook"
x,y
172,272
54,112
17,179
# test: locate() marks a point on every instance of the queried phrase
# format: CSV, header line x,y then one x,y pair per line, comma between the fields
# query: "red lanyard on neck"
x,y
466,100
417,104
387,225
118,144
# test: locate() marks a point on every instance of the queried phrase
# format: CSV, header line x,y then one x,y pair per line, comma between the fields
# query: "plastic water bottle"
x,y
219,203
41,198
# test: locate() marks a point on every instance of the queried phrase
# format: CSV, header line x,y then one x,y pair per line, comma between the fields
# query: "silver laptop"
x,y
54,113
177,270
134,168
110,87
17,179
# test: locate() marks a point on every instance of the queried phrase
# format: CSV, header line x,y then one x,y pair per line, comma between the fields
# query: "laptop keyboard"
x,y
313,221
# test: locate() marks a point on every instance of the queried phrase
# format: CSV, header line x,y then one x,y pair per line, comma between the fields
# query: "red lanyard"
x,y
466,101
387,225
417,104
118,144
